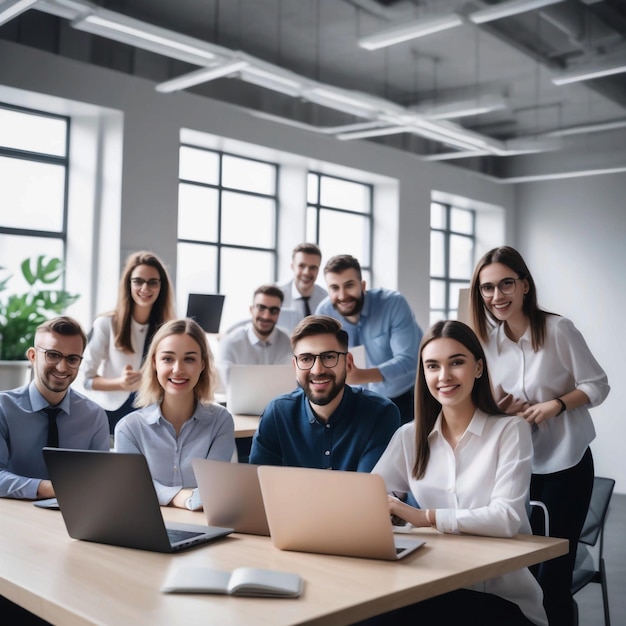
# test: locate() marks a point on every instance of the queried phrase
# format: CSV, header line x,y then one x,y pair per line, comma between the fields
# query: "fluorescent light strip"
x,y
146,36
462,108
588,128
406,32
337,96
589,72
270,80
375,132
203,75
507,9
12,8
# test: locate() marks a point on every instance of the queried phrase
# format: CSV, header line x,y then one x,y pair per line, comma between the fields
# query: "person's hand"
x,y
45,489
538,413
513,406
130,379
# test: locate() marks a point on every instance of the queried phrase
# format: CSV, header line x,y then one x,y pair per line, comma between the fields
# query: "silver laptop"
x,y
109,497
251,387
331,512
231,496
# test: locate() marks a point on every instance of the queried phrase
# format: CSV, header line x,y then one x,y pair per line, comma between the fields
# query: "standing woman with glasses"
x,y
543,371
120,339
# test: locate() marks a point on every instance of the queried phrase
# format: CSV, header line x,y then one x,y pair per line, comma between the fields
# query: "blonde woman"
x,y
177,421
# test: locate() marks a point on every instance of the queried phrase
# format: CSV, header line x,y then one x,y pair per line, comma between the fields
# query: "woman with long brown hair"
x,y
544,372
119,340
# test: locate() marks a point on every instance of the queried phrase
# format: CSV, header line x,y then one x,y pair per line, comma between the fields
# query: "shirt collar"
x,y
502,340
38,402
152,414
338,412
476,425
254,340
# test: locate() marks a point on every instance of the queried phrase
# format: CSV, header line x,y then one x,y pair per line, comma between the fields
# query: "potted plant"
x,y
21,314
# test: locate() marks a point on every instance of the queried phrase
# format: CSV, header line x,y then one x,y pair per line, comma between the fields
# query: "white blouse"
x,y
102,358
480,488
563,364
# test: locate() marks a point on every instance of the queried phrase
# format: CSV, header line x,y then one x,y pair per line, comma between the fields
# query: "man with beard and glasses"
x,y
47,412
325,423
259,342
382,321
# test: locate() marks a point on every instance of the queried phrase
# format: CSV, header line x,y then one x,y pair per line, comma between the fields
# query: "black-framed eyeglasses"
x,y
54,357
306,361
506,286
273,310
152,283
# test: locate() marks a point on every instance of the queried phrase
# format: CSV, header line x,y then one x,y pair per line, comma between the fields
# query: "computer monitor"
x,y
206,309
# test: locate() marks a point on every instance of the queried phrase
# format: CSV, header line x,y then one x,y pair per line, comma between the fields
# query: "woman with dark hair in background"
x,y
543,371
120,339
468,466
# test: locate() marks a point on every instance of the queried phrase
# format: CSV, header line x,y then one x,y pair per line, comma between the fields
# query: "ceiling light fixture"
x,y
412,30
462,108
322,95
146,36
12,8
598,69
507,9
203,75
271,80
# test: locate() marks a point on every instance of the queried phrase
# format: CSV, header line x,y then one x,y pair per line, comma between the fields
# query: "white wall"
x,y
572,235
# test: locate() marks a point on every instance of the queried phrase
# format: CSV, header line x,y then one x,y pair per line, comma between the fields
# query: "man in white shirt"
x,y
302,295
258,342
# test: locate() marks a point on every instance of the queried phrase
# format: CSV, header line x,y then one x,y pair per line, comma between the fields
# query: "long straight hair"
x,y
482,317
427,408
162,309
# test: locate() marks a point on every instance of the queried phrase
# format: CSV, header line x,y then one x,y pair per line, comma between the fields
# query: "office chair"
x,y
586,569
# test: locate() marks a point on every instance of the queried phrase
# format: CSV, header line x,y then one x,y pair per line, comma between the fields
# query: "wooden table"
x,y
245,425
71,583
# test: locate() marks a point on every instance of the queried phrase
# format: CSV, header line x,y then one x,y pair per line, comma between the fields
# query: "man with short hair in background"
x,y
302,294
382,321
259,342
47,412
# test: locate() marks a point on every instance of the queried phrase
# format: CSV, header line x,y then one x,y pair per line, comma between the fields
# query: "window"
x,y
34,183
227,227
452,243
339,218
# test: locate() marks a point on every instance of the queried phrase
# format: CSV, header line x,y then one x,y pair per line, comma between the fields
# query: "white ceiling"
x,y
316,41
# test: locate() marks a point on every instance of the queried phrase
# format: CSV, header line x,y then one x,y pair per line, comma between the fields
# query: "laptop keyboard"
x,y
180,535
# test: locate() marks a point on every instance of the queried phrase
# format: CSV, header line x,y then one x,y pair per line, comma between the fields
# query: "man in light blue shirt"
x,y
382,321
26,427
260,342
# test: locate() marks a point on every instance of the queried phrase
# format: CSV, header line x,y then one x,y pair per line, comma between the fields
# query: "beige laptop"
x,y
251,387
230,491
331,512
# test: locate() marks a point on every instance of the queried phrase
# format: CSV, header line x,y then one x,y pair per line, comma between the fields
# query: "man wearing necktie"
x,y
47,412
302,294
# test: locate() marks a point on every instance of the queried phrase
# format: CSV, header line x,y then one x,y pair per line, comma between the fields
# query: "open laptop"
x,y
251,387
231,495
206,309
109,497
331,512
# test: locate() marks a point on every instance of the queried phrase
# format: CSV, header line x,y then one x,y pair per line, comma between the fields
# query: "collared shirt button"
x,y
327,453
327,425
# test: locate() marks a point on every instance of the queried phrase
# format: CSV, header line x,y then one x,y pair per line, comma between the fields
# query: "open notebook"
x,y
109,497
331,512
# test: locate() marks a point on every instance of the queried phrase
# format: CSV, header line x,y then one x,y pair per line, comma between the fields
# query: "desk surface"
x,y
245,425
76,583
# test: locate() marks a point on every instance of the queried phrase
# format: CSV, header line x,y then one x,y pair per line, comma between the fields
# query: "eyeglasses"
x,y
53,357
506,286
274,310
153,283
306,361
